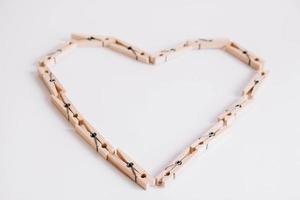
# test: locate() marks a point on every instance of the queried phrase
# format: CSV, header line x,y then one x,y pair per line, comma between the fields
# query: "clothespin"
x,y
91,40
254,83
130,168
210,134
93,140
130,51
64,50
50,80
244,55
55,56
167,54
230,113
68,110
173,168
210,43
104,142
64,108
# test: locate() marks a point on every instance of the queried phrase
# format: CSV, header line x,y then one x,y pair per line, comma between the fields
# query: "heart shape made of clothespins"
x,y
114,155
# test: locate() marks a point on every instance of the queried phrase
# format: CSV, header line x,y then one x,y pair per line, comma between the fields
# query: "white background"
x,y
151,112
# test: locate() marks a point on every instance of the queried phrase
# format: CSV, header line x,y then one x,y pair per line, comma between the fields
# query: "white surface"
x,y
151,112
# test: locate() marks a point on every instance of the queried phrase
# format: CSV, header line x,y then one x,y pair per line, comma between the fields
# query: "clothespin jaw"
x,y
245,56
130,168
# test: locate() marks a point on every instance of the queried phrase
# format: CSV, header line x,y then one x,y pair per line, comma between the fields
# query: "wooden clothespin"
x,y
245,56
91,40
129,167
230,113
254,84
173,168
130,51
52,83
55,56
210,43
168,54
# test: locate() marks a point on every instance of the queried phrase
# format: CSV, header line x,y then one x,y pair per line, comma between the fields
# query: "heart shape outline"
x,y
116,156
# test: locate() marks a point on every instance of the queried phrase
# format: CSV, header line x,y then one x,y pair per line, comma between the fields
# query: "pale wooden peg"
x,y
63,51
254,83
67,102
174,167
130,51
91,40
91,129
72,113
199,143
61,107
210,43
52,83
244,56
167,54
229,114
91,141
127,51
57,55
88,41
123,156
75,36
130,168
209,135
66,109
214,131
